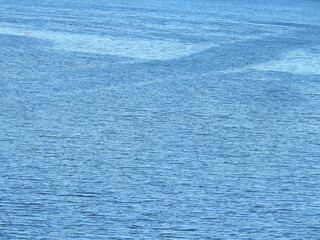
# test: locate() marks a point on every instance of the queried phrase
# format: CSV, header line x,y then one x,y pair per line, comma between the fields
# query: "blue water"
x,y
170,119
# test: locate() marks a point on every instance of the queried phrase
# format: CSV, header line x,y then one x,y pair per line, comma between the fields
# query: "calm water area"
x,y
159,119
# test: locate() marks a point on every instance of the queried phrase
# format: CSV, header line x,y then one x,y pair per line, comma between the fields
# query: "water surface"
x,y
159,120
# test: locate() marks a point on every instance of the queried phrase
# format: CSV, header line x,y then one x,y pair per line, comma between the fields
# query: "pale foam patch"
x,y
148,49
296,62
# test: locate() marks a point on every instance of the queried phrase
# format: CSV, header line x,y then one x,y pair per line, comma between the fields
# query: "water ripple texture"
x,y
172,119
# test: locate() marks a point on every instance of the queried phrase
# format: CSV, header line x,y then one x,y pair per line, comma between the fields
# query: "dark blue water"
x,y
159,119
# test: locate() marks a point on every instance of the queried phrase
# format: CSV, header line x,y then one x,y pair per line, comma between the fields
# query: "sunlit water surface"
x,y
159,119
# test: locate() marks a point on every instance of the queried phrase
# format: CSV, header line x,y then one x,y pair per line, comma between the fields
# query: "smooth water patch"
x,y
296,62
143,48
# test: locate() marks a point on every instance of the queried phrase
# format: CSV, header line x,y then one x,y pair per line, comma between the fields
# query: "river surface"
x,y
171,119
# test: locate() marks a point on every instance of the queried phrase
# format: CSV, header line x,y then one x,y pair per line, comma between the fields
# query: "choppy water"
x,y
159,119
